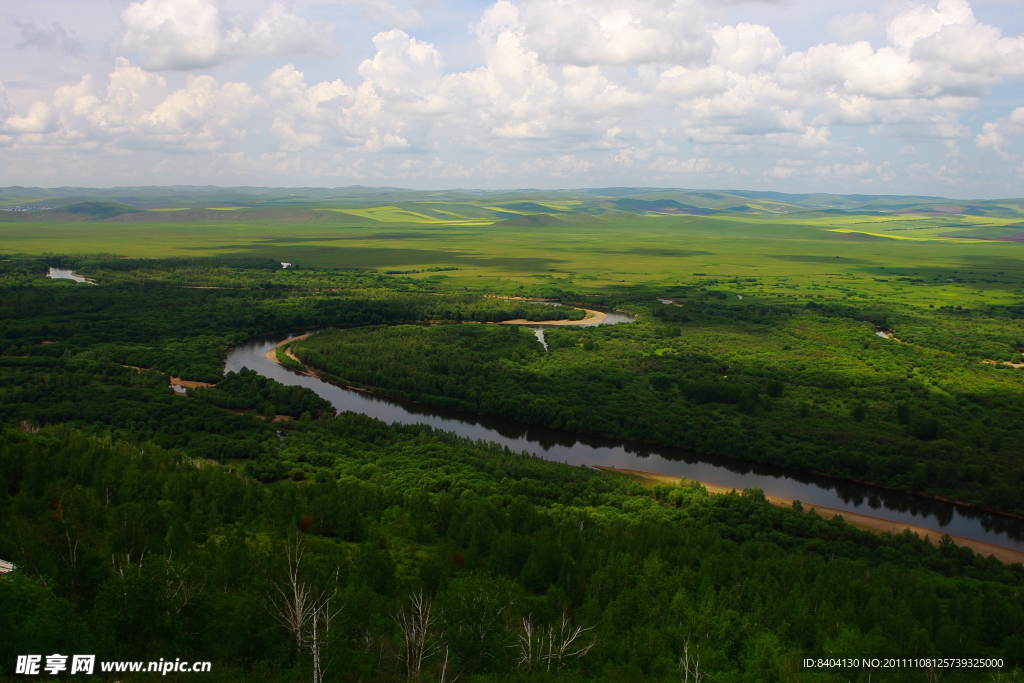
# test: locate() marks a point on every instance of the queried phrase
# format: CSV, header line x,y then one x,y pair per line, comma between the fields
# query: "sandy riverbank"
x,y
272,353
866,522
592,318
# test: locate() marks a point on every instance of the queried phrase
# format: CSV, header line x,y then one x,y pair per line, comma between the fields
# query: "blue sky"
x,y
854,96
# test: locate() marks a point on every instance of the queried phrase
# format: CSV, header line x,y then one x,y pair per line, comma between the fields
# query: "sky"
x,y
848,96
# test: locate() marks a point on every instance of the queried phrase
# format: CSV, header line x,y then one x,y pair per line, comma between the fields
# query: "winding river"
x,y
933,515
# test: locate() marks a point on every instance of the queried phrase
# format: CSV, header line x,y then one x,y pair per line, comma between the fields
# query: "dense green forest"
x,y
133,551
808,387
147,524
154,321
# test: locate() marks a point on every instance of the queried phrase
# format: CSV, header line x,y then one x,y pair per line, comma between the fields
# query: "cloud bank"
x,y
568,92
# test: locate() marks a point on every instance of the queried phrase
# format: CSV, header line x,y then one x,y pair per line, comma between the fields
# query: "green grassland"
x,y
946,253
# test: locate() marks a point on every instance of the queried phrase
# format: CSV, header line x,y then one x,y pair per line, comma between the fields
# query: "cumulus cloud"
x,y
403,64
955,40
193,34
138,110
994,134
402,89
611,32
566,88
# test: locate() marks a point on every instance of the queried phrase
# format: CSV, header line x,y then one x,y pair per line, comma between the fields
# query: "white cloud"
x,y
40,118
193,34
401,94
619,32
565,88
403,64
746,48
994,134
136,110
922,21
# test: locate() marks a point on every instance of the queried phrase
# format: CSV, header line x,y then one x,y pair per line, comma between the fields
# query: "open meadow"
x,y
921,253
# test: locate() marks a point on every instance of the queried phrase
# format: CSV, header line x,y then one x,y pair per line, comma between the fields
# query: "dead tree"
x,y
442,676
566,643
529,643
305,612
554,646
417,623
689,665
321,616
293,604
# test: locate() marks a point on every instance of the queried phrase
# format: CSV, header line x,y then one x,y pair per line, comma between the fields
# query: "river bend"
x,y
938,516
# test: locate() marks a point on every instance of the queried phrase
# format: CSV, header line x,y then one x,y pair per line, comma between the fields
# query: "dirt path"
x,y
988,362
866,522
174,381
188,384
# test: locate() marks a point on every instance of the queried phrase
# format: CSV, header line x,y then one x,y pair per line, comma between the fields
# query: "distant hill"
x,y
85,211
296,203
663,206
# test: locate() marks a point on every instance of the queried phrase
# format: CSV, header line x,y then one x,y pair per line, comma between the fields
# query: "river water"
x,y
62,274
937,516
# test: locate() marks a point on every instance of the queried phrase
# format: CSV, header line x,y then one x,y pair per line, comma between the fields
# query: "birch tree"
x,y
552,647
421,638
306,612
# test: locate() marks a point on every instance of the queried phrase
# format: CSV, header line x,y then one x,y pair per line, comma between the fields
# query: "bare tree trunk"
x,y
563,644
292,605
416,622
321,623
689,665
443,677
528,644
298,608
555,645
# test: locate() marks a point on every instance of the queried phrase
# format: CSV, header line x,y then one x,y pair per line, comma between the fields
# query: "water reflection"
x,y
62,274
938,516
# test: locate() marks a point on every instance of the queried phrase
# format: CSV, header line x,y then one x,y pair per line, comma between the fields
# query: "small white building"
x,y
6,567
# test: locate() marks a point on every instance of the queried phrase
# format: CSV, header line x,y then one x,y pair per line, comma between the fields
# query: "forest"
x,y
484,563
145,523
810,387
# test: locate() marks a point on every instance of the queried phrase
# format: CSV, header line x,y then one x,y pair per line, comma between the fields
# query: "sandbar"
x,y
593,318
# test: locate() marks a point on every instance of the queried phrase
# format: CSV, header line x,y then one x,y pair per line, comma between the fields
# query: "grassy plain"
x,y
919,256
